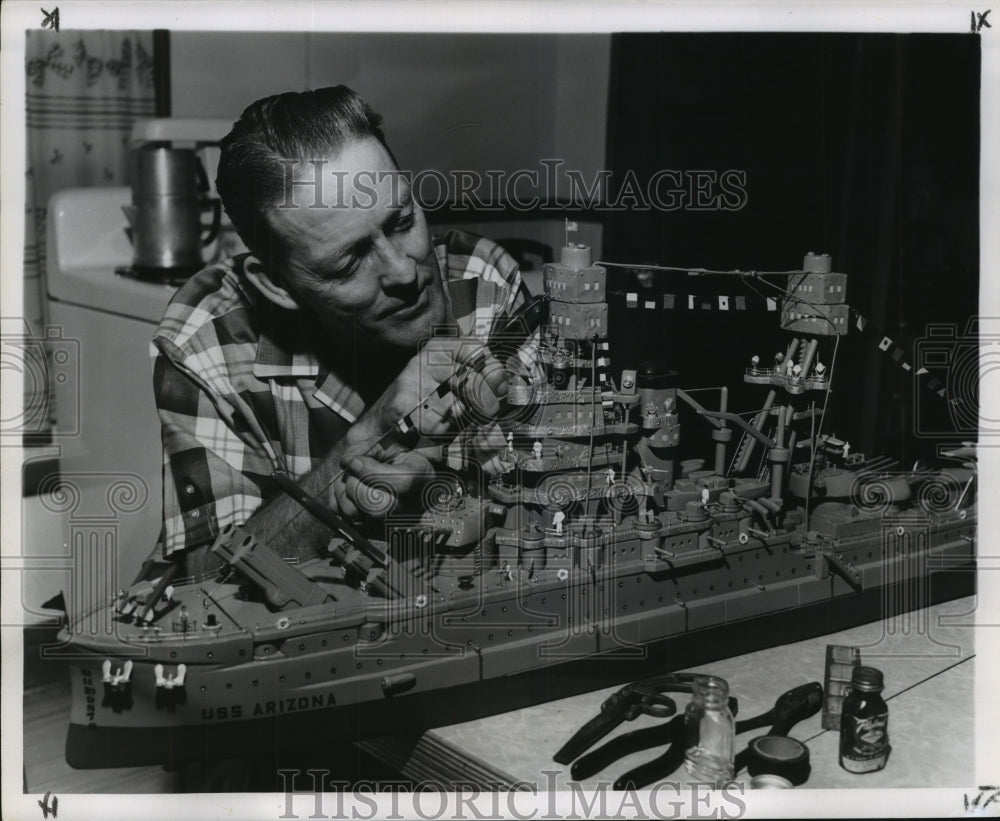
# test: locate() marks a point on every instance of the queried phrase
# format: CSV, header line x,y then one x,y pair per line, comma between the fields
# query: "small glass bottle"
x,y
864,723
710,731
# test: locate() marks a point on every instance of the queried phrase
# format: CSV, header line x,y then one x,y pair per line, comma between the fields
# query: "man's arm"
x,y
214,477
375,483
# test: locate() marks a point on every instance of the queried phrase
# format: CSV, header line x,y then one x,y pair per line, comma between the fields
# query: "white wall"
x,y
465,101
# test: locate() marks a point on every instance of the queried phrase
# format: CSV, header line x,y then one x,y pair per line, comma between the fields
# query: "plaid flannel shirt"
x,y
241,391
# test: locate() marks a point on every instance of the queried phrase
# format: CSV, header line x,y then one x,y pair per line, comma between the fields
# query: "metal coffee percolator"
x,y
169,195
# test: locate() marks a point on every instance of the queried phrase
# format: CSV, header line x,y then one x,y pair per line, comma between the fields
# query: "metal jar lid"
x,y
779,756
767,781
867,679
779,748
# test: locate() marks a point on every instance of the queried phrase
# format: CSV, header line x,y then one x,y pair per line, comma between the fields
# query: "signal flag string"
x,y
742,302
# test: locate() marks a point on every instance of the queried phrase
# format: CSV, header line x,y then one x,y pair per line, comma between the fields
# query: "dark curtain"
x,y
865,147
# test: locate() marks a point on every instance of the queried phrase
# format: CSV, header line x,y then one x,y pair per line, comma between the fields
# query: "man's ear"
x,y
259,277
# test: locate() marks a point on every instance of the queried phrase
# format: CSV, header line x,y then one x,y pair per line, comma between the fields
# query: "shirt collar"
x,y
283,344
275,361
286,350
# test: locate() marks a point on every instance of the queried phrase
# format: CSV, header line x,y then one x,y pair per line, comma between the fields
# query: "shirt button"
x,y
189,489
195,514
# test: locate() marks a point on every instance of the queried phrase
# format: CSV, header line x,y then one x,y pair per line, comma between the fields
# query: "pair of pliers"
x,y
790,708
640,697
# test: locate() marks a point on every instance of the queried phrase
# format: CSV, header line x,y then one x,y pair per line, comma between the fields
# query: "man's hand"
x,y
476,383
374,482
451,385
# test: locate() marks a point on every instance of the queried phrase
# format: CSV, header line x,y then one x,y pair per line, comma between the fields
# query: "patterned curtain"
x,y
84,91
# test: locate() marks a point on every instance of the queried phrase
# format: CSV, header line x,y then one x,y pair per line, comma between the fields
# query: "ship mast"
x,y
814,308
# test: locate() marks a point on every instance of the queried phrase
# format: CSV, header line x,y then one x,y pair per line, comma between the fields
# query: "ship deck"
x,y
932,663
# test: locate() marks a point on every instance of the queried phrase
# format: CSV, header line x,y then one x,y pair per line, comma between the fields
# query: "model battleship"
x,y
593,538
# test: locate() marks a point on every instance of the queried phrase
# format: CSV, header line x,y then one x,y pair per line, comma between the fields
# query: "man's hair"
x,y
299,126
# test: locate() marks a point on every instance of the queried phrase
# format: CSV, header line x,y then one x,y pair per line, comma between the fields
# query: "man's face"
x,y
367,261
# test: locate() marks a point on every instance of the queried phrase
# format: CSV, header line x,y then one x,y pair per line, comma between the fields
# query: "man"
x,y
302,356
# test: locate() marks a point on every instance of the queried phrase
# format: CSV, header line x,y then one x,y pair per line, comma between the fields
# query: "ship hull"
x,y
260,706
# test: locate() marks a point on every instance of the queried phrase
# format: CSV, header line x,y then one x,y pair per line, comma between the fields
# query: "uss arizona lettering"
x,y
270,708
291,704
